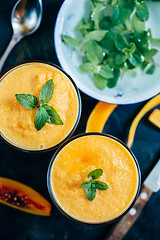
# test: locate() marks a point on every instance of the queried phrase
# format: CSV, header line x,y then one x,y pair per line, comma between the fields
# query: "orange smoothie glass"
x,y
17,122
70,166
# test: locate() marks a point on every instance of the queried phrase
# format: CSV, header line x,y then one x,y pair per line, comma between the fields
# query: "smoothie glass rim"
x,y
49,178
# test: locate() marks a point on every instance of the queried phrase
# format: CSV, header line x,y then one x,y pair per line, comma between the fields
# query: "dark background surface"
x,y
31,169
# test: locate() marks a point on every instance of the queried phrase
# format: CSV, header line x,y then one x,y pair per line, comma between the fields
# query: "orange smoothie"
x,y
17,122
71,167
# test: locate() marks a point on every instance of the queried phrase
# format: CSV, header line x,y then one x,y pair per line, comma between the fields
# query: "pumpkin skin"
x,y
22,197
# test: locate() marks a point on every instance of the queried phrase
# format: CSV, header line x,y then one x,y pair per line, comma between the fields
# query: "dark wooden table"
x,y
31,169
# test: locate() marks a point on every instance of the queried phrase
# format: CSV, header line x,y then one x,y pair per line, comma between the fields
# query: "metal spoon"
x,y
25,19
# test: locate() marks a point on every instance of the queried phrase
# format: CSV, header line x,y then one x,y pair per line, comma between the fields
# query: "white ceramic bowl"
x,y
129,89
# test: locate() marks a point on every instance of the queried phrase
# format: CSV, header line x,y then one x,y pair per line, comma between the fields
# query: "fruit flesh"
x,y
71,167
14,197
17,123
148,106
22,197
99,116
154,117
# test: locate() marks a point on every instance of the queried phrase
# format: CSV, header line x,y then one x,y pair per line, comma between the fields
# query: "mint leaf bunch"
x,y
45,113
92,186
114,40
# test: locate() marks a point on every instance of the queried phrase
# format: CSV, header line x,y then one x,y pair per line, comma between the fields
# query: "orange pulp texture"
x,y
71,167
17,122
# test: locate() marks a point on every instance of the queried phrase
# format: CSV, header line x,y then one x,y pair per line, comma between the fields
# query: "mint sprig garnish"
x,y
46,92
100,185
40,118
92,186
27,100
53,116
45,113
95,173
91,193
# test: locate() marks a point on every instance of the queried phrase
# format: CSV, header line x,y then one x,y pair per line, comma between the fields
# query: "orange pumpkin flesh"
x,y
99,116
148,106
154,117
22,197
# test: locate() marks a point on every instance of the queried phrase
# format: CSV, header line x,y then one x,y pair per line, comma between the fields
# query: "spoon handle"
x,y
14,40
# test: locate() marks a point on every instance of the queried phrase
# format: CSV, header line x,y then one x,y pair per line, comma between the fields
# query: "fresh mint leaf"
x,y
120,58
120,42
105,71
130,4
40,118
97,13
148,67
113,81
137,24
151,69
142,11
46,92
86,185
111,62
27,100
114,2
128,25
99,81
100,185
135,59
52,115
121,13
94,35
142,39
87,67
115,14
95,173
84,26
105,23
90,193
94,52
95,2
91,186
150,52
70,41
108,41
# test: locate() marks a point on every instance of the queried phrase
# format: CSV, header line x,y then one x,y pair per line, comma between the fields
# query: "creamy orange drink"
x,y
18,124
88,153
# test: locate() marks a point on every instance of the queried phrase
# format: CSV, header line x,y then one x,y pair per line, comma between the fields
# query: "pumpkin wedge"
x,y
154,117
99,116
22,197
148,106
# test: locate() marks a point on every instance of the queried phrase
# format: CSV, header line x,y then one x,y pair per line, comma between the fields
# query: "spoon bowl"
x,y
25,19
